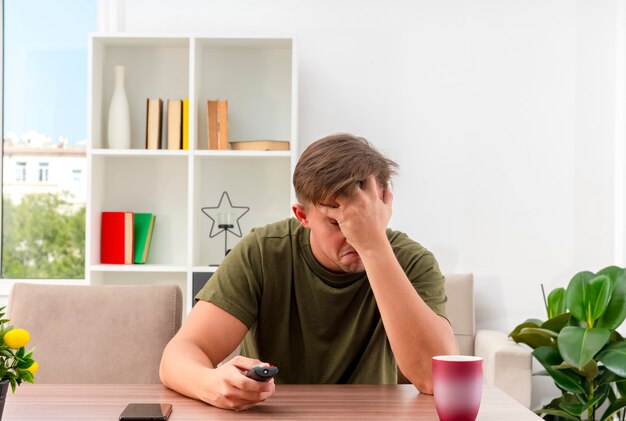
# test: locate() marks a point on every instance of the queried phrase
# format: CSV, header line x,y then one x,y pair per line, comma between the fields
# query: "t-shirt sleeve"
x,y
429,282
236,286
422,269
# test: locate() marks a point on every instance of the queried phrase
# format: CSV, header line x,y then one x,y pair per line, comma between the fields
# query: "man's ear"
x,y
300,213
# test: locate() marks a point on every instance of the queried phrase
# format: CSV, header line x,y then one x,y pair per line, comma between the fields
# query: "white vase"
x,y
119,115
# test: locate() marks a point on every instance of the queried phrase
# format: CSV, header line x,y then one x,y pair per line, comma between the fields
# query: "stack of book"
x,y
171,132
126,237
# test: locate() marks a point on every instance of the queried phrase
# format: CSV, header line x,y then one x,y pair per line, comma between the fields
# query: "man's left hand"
x,y
363,217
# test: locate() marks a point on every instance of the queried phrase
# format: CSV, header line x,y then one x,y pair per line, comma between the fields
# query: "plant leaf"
x,y
570,404
613,408
556,412
621,386
614,358
6,353
521,326
578,345
24,363
27,376
557,304
599,294
615,313
615,336
531,339
548,356
576,294
607,377
557,323
590,370
567,380
612,396
539,331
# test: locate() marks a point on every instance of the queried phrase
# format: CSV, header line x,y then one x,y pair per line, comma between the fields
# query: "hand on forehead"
x,y
369,187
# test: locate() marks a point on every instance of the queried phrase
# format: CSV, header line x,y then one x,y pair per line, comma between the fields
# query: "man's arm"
x,y
415,332
208,335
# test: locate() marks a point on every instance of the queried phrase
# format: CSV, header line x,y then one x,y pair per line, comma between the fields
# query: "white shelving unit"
x,y
258,78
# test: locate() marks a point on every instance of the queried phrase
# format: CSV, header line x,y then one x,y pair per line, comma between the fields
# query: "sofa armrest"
x,y
506,364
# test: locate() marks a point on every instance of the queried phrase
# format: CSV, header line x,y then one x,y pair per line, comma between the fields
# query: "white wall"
x,y
503,115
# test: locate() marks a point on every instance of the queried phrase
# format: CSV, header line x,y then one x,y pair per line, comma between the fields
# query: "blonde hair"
x,y
335,165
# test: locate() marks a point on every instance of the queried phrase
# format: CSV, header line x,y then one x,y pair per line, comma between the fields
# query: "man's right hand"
x,y
228,387
207,337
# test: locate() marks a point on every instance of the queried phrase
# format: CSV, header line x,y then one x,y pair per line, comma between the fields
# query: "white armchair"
x,y
505,363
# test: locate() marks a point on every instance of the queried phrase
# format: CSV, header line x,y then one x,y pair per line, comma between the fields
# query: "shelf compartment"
x,y
154,68
255,77
262,185
157,185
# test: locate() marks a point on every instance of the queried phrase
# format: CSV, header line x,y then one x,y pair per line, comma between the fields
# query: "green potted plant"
x,y
579,347
16,365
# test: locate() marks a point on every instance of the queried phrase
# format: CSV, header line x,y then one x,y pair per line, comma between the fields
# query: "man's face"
x,y
328,243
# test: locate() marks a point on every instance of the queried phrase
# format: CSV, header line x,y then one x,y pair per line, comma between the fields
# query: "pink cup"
x,y
458,386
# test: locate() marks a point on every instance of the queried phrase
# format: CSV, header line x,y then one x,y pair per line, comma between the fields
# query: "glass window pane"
x,y
44,137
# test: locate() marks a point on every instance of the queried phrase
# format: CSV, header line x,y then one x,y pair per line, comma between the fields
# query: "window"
x,y
44,119
20,171
43,171
77,180
77,176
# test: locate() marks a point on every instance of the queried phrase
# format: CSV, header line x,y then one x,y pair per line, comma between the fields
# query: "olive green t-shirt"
x,y
315,325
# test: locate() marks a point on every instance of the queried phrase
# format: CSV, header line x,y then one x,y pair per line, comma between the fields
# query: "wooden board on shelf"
x,y
260,145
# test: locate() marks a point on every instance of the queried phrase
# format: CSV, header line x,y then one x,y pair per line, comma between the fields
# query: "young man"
x,y
330,296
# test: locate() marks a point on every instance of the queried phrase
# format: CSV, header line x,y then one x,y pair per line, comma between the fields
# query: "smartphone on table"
x,y
146,411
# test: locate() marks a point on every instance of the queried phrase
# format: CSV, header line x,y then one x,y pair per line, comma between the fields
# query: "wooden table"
x,y
290,402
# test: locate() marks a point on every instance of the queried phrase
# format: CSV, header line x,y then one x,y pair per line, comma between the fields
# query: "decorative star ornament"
x,y
225,207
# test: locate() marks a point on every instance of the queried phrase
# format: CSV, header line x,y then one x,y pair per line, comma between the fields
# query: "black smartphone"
x,y
146,411
262,374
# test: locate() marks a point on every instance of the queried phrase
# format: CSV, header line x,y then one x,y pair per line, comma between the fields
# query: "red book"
x,y
117,238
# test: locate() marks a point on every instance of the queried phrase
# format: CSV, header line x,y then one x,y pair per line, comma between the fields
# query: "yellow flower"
x,y
16,338
33,368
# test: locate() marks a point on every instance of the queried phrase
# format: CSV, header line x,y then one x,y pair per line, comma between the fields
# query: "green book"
x,y
144,225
